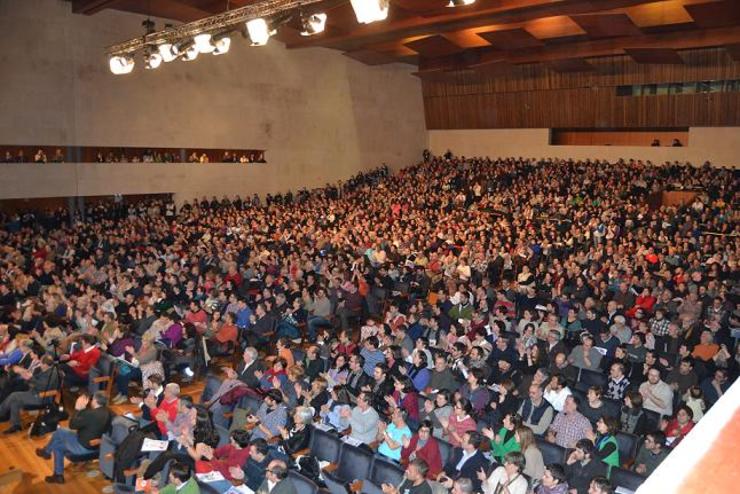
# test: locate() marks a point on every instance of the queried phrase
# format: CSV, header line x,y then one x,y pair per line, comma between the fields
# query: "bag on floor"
x,y
48,420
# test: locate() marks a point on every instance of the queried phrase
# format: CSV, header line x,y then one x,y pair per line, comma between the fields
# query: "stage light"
x,y
121,64
313,24
190,53
460,3
259,31
368,11
168,51
152,60
222,44
203,43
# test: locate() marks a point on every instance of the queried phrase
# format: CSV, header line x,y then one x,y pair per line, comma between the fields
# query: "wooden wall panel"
x,y
532,96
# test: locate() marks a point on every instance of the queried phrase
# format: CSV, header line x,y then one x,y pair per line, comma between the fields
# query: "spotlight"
x,y
460,3
203,43
221,44
168,51
152,60
121,64
259,31
190,53
368,11
313,24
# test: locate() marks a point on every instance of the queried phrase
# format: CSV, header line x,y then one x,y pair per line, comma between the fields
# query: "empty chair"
x,y
105,455
628,444
384,471
626,479
588,378
445,450
612,408
325,446
101,375
652,420
303,485
551,453
250,402
354,463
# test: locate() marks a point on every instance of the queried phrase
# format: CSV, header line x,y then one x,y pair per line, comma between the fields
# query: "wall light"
x,y
259,31
221,44
313,24
121,64
203,43
460,3
368,11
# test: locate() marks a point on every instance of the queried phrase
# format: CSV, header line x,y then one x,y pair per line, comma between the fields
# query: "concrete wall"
x,y
320,115
719,145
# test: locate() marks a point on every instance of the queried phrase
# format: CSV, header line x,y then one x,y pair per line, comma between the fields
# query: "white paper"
x,y
323,427
209,477
351,441
153,445
241,489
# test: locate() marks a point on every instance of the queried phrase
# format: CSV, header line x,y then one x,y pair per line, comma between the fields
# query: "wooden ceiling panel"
x,y
510,39
654,55
571,65
715,14
434,46
370,57
607,25
660,13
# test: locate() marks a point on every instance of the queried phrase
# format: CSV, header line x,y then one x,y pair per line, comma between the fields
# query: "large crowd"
x,y
487,325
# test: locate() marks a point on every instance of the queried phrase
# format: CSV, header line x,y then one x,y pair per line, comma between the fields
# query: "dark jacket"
x,y
90,424
579,476
248,377
469,469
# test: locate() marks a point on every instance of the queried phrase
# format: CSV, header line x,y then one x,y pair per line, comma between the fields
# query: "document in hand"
x,y
153,445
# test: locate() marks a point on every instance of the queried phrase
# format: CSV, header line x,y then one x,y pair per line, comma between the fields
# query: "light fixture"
x,y
313,24
168,51
221,44
203,43
152,60
368,11
259,31
460,3
121,64
190,53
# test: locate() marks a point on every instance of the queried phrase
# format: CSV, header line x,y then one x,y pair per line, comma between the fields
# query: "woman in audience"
x,y
405,397
458,423
418,371
475,392
505,440
605,441
506,478
297,437
633,419
226,460
424,446
438,411
535,464
338,372
592,408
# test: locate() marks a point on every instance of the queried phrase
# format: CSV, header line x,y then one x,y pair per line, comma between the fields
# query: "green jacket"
x,y
190,487
613,459
500,449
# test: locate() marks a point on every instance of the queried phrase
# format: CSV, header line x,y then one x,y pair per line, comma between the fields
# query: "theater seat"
x,y
223,435
325,446
303,485
626,479
652,420
446,451
551,453
628,444
334,484
588,378
354,463
384,471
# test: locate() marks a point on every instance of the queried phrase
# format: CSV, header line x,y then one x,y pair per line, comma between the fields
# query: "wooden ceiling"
x,y
493,34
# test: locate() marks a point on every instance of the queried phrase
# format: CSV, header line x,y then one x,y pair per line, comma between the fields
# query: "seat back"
x,y
551,453
303,485
250,402
105,455
334,484
446,450
223,435
612,408
652,420
588,378
354,463
628,444
626,479
384,471
325,446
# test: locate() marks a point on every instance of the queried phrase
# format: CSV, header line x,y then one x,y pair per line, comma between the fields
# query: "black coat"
x,y
469,469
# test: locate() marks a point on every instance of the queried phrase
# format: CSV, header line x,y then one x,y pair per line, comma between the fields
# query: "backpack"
x,y
128,452
48,420
309,467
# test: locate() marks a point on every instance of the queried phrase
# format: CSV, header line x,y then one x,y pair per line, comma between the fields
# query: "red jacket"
x,y
85,361
429,453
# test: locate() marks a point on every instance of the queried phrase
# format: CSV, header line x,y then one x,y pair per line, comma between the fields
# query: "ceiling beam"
x,y
89,7
506,11
684,40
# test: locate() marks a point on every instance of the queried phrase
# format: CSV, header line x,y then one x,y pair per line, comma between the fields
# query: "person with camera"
x,y
43,378
90,420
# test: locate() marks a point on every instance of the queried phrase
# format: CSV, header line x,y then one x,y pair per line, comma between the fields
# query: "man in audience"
x,y
585,356
44,378
363,419
442,377
181,480
536,412
276,480
465,462
618,383
651,454
656,394
600,485
415,481
715,386
556,392
271,416
581,467
682,378
569,426
89,422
